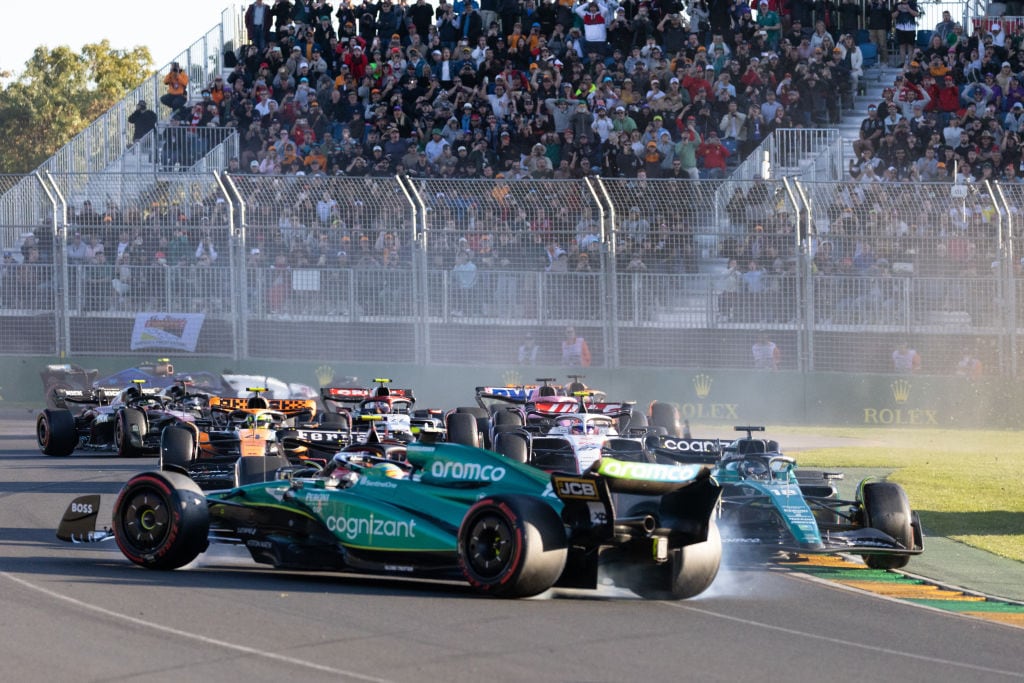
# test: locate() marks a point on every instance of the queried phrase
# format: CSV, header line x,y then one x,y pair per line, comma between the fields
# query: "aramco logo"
x,y
899,390
700,409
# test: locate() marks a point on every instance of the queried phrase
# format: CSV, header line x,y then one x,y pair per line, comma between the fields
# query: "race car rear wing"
x,y
288,406
685,451
359,394
99,396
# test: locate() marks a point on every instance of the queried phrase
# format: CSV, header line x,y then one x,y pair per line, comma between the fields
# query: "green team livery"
x,y
432,510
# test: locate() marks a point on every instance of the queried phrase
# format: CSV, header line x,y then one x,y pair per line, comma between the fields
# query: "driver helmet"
x,y
755,469
383,407
577,429
592,428
261,421
390,470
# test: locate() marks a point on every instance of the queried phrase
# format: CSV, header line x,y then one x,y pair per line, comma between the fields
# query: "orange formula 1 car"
x,y
243,436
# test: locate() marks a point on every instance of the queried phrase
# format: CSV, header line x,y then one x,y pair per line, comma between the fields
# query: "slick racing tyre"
x,y
887,509
665,415
512,446
258,469
161,520
635,420
689,571
462,429
129,430
56,433
177,448
512,546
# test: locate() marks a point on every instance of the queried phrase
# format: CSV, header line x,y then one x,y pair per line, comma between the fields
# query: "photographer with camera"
x,y
143,119
177,88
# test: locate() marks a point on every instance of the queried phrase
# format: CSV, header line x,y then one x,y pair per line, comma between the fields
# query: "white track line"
x,y
847,643
243,649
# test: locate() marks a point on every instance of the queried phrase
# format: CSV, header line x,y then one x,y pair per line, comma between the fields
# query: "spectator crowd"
x,y
526,88
514,89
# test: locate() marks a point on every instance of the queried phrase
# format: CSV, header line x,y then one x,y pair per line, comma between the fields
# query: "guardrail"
x,y
657,273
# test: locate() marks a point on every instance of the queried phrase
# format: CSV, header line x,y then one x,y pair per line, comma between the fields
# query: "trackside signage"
x,y
647,471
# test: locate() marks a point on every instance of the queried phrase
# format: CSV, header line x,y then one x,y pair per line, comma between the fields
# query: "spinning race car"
x,y
433,510
768,506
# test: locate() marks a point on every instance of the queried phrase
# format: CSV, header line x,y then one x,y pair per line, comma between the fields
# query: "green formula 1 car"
x,y
433,510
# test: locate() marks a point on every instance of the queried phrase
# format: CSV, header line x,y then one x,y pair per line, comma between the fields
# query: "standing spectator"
x,y
464,277
176,81
143,119
944,27
904,20
730,286
766,353
575,351
879,24
905,360
258,20
528,350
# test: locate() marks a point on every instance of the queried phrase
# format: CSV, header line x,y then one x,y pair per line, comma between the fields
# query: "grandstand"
x,y
201,222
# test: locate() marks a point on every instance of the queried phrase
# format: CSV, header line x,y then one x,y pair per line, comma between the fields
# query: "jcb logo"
x,y
577,488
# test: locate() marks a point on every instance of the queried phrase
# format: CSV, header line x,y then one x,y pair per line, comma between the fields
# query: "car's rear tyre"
x,y
512,446
688,573
887,509
336,421
177,448
512,546
507,417
161,520
475,411
258,469
666,415
56,433
635,420
129,429
462,429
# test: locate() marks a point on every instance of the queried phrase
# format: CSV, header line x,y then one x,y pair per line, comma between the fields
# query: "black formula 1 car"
x,y
440,510
128,420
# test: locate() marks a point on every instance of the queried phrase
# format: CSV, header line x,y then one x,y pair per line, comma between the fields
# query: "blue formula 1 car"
x,y
432,510
769,506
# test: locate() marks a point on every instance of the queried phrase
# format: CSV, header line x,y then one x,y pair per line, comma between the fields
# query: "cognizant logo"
x,y
466,471
351,528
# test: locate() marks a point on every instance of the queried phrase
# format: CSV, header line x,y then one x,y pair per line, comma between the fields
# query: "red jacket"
x,y
944,99
714,154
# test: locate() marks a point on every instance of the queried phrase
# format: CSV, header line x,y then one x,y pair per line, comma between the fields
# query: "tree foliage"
x,y
59,93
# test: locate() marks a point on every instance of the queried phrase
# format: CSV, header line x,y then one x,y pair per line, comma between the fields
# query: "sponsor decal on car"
x,y
352,528
575,488
690,445
641,470
466,471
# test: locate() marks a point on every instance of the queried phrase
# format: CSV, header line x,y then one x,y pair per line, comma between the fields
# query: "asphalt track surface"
x,y
84,613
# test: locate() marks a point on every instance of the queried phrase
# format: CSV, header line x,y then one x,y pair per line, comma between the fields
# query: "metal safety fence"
x,y
652,273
